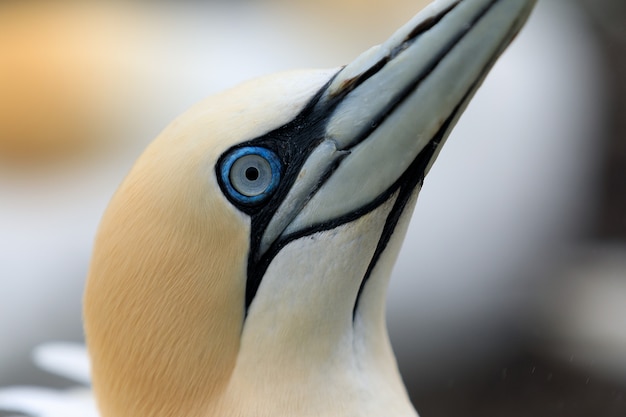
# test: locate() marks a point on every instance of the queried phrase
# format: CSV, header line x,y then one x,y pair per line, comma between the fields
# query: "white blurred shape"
x,y
41,402
69,360
63,359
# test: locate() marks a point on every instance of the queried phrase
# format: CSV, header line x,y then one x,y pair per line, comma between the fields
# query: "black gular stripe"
x,y
414,175
295,141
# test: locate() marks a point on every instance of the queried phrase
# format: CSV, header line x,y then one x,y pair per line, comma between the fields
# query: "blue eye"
x,y
251,174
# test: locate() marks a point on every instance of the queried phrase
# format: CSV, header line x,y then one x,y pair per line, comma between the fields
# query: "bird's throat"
x,y
301,329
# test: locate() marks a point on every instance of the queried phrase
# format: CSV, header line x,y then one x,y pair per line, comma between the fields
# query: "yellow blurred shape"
x,y
363,21
62,68
72,73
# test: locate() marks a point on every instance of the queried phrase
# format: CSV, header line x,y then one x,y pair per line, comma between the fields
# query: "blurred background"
x,y
509,297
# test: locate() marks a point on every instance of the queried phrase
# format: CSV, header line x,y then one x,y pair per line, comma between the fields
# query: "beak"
x,y
387,114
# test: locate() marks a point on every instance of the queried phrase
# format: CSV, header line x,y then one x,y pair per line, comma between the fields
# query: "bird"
x,y
241,267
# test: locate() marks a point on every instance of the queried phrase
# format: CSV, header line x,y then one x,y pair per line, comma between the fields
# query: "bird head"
x,y
241,268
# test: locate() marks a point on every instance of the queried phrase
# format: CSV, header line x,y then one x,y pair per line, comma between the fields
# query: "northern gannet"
x,y
241,267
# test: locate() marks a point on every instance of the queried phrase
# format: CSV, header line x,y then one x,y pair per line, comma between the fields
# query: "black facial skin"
x,y
294,142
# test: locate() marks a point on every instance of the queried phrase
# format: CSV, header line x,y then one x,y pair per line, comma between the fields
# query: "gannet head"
x,y
241,267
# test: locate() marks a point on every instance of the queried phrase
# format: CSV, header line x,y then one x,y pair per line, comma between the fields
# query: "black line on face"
x,y
293,143
296,140
412,178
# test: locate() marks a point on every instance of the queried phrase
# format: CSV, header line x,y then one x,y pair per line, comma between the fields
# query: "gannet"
x,y
241,267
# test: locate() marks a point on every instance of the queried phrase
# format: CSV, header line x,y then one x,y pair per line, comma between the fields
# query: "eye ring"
x,y
250,174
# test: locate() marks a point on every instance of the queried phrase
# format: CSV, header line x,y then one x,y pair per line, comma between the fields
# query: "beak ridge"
x,y
393,104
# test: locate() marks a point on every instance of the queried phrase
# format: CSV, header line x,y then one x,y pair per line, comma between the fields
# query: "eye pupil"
x,y
252,174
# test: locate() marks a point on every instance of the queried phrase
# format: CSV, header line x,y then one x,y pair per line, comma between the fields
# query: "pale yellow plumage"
x,y
169,260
